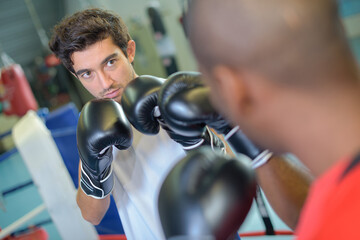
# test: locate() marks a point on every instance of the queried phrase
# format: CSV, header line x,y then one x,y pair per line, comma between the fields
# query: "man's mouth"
x,y
113,94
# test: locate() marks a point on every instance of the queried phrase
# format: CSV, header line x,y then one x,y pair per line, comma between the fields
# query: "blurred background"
x,y
38,81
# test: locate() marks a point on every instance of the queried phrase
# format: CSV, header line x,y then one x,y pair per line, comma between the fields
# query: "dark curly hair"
x,y
84,28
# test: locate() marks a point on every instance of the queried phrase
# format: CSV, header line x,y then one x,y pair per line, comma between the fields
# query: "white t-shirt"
x,y
139,172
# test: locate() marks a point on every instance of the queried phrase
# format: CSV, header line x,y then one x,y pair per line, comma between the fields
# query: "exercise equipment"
x,y
15,93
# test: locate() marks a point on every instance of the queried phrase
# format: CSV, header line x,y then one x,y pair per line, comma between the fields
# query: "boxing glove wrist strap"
x,y
188,148
231,133
261,159
208,139
243,145
98,189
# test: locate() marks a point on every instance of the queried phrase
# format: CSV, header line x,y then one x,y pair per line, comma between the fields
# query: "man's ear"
x,y
232,87
131,48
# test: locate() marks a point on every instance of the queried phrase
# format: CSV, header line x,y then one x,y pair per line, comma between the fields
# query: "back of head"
x,y
84,28
290,41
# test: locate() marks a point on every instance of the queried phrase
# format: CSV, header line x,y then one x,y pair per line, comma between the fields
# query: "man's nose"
x,y
104,80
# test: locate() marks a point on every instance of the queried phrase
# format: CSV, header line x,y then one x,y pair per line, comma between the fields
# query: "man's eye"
x,y
86,75
111,62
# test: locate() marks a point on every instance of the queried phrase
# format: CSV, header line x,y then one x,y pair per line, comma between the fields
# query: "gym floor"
x,y
16,204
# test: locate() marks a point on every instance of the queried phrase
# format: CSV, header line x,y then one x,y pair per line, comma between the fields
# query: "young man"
x,y
283,71
96,47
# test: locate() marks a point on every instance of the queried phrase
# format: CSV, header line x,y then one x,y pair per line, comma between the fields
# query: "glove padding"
x,y
140,103
139,100
186,106
102,124
206,194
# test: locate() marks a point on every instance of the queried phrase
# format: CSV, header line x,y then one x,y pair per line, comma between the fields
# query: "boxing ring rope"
x,y
31,136
14,227
21,221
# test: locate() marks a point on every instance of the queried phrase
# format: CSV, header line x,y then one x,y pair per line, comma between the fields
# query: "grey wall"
x,y
18,36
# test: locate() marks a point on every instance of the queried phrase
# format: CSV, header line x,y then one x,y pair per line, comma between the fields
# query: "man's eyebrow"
x,y
109,57
78,73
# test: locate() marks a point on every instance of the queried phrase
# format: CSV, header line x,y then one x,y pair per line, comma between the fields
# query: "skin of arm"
x,y
285,183
93,210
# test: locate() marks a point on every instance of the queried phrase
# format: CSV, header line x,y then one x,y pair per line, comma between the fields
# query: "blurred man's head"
x,y
249,50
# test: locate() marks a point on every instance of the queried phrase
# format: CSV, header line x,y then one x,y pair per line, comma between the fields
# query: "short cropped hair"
x,y
84,28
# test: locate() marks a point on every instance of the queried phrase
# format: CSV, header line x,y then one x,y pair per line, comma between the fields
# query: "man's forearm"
x,y
92,210
285,184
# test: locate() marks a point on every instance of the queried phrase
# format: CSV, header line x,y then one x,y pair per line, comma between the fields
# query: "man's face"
x,y
103,69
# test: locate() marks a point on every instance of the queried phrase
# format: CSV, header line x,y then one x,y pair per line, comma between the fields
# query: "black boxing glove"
x,y
243,145
200,132
186,107
179,83
139,100
206,194
140,104
102,124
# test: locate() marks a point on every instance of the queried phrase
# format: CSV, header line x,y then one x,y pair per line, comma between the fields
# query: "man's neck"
x,y
327,131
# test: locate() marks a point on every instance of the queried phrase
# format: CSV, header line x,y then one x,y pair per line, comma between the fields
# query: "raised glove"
x,y
102,124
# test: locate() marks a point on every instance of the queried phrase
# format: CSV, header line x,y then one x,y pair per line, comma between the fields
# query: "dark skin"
x,y
285,187
289,83
285,183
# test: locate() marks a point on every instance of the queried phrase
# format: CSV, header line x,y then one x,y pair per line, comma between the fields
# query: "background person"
x,y
284,72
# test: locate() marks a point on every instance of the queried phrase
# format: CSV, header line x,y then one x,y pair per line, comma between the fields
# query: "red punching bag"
x,y
17,97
